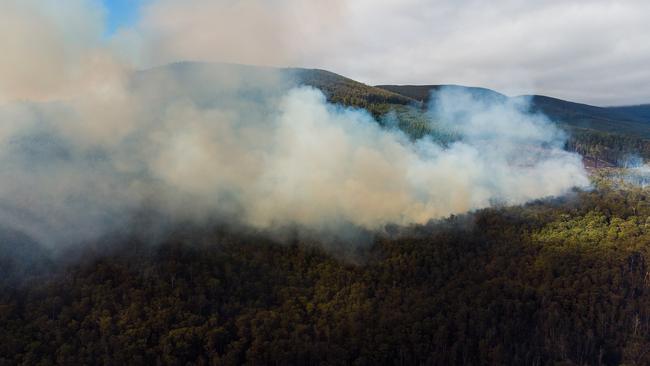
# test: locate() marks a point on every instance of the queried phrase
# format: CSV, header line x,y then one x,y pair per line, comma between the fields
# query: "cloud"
x,y
591,52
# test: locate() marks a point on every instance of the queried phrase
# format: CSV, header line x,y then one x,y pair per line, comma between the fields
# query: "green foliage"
x,y
342,90
553,282
611,148
591,230
387,107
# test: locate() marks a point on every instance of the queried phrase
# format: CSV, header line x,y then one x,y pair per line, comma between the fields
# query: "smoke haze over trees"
x,y
159,210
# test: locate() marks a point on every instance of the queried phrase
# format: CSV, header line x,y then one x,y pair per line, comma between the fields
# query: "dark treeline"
x,y
561,282
615,149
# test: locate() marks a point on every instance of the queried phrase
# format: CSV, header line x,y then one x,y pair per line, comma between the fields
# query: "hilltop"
x,y
197,77
608,135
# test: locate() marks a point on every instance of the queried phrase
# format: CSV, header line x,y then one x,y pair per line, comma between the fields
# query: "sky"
x,y
593,51
121,13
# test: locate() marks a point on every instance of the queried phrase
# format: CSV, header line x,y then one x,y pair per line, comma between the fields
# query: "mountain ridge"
x,y
610,134
619,119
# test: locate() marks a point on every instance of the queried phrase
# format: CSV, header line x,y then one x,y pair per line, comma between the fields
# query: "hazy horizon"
x,y
589,52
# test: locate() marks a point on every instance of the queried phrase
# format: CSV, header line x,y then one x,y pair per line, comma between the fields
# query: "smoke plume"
x,y
88,144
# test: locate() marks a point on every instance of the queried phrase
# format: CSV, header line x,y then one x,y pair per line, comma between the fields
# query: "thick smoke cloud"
x,y
84,156
48,48
275,158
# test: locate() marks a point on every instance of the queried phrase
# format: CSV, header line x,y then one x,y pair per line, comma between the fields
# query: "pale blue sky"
x,y
121,13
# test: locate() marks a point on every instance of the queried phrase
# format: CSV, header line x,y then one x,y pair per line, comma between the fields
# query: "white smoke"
x,y
92,148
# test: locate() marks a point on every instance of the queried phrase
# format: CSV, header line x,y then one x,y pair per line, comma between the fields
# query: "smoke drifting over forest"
x,y
88,142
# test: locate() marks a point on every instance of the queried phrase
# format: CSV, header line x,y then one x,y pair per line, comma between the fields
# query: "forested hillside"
x,y
562,282
640,111
633,120
608,134
422,93
346,91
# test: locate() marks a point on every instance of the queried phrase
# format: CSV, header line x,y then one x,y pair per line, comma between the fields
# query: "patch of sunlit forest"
x,y
562,281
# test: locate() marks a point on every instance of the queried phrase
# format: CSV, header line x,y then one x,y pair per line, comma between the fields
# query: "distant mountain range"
x,y
606,134
199,77
634,120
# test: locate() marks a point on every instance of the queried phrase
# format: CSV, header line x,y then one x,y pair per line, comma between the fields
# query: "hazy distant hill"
x,y
601,133
617,120
640,111
198,80
421,93
634,120
203,82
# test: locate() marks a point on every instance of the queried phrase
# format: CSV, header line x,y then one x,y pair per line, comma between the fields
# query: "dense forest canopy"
x,y
562,281
558,281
